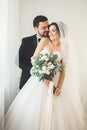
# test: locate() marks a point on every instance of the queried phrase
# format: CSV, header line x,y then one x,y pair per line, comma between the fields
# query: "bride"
x,y
36,107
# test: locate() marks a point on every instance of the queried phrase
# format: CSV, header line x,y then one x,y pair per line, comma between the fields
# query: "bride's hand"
x,y
57,91
46,81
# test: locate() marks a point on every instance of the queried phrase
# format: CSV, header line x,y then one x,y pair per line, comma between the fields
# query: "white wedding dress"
x,y
36,108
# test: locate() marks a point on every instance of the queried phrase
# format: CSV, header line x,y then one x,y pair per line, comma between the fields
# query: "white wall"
x,y
73,13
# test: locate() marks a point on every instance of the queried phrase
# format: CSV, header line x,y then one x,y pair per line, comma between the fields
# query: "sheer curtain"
x,y
9,44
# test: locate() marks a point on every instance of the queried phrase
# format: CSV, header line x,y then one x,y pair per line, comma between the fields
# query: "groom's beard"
x,y
45,34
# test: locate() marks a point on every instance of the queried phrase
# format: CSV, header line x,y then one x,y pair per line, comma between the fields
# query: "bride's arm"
x,y
62,73
61,79
44,41
40,47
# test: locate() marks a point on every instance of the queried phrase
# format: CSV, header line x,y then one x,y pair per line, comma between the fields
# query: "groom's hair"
x,y
38,19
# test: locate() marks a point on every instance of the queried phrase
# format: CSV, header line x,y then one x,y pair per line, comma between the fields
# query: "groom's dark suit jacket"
x,y
26,51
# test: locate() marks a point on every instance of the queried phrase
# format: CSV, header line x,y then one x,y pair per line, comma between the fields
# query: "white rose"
x,y
40,71
52,66
44,69
49,63
44,58
47,72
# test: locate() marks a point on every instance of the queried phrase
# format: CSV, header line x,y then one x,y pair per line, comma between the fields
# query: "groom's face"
x,y
42,28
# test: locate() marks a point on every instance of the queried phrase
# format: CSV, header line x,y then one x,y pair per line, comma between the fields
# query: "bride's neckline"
x,y
55,51
52,50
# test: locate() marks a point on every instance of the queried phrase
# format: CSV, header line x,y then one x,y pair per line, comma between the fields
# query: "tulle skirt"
x,y
36,108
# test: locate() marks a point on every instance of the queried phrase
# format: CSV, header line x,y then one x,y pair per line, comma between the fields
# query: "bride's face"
x,y
53,33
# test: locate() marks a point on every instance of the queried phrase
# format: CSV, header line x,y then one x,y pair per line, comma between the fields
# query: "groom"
x,y
28,46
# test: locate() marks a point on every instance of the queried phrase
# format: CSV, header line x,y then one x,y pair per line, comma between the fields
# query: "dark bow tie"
x,y
39,39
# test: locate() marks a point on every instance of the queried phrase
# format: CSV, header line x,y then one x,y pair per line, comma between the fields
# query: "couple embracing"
x,y
38,106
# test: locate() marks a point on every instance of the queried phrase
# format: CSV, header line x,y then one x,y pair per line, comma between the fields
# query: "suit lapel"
x,y
35,41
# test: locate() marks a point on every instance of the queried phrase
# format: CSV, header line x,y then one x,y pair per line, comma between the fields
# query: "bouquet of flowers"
x,y
46,66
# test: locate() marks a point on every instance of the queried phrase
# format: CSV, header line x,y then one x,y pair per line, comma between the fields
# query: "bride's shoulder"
x,y
44,41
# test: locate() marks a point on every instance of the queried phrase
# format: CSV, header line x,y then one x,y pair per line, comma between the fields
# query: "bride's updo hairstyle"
x,y
56,25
